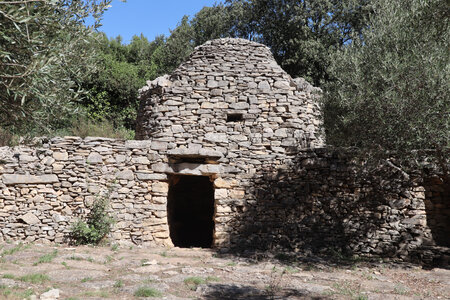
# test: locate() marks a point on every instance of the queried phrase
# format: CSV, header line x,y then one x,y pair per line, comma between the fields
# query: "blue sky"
x,y
150,17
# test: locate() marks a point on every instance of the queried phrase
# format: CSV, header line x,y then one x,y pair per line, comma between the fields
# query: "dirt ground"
x,y
115,272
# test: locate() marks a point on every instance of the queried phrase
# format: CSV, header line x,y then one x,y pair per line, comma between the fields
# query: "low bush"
x,y
97,225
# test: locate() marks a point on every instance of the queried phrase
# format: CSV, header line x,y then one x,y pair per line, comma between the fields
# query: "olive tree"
x,y
45,52
391,88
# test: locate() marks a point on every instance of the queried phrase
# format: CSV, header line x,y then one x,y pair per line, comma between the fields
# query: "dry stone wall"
x,y
43,190
313,201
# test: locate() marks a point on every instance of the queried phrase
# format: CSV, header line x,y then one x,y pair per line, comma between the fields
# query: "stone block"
x,y
216,137
10,179
29,218
24,158
60,155
157,145
126,174
160,187
220,194
151,176
140,160
132,144
94,158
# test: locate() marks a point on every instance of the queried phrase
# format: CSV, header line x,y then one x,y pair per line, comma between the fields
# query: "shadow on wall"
x,y
321,203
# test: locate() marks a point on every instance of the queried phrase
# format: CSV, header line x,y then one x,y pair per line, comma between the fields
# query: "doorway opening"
x,y
190,211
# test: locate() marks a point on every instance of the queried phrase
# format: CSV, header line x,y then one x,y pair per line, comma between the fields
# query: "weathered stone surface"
x,y
189,152
60,155
151,176
216,137
138,144
160,187
94,158
28,179
52,294
126,174
29,219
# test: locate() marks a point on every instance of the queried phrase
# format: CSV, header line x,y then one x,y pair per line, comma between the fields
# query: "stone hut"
x,y
226,113
229,155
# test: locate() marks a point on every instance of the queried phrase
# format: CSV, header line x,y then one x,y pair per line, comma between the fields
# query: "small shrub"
x,y
8,276
97,226
145,291
118,284
193,282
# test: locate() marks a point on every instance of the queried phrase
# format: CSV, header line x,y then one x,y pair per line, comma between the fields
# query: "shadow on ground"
x,y
241,292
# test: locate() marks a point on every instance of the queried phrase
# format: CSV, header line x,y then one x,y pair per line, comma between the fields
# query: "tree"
x,y
303,34
45,53
177,47
391,92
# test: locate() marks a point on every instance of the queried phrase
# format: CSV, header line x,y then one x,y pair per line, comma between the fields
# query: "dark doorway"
x,y
437,206
190,209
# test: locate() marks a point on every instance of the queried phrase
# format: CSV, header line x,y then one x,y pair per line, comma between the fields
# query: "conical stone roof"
x,y
230,95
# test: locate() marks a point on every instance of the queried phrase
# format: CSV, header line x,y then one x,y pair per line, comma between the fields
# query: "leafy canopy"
x,y
391,91
45,52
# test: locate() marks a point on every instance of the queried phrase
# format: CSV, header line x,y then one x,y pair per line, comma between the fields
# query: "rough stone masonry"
x,y
231,114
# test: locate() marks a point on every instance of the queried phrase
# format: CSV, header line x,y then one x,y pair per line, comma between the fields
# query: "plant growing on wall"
x,y
96,226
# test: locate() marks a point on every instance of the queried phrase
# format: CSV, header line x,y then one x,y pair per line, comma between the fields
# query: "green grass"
x,y
35,278
231,264
86,279
89,259
14,249
145,291
73,257
8,276
212,278
65,265
47,258
115,247
15,292
108,259
101,294
118,284
193,282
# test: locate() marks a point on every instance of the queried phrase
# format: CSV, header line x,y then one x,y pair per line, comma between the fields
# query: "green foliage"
x,y
145,291
47,258
193,282
118,284
122,71
84,127
97,225
36,278
391,87
303,34
176,48
45,53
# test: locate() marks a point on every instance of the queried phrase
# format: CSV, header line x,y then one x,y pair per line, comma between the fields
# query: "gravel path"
x,y
112,272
